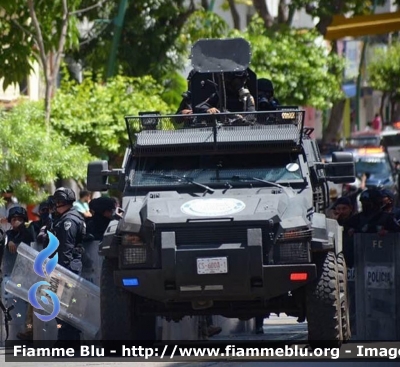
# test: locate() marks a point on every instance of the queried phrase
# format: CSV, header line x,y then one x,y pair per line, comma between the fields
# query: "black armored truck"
x,y
223,213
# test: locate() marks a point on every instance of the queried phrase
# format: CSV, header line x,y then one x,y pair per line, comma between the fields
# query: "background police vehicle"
x,y
224,216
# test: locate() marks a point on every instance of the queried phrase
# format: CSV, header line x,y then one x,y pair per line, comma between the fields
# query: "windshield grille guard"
x,y
282,129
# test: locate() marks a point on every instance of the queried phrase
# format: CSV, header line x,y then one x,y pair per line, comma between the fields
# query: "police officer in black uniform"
x,y
185,107
265,95
103,209
372,219
238,97
44,219
69,229
17,217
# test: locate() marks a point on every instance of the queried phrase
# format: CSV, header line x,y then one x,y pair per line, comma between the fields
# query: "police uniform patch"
x,y
67,225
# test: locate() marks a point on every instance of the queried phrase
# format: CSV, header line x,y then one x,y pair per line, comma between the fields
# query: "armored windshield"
x,y
217,170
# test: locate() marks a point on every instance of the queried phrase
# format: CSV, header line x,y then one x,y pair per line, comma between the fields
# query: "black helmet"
x,y
64,194
371,195
265,85
101,204
17,211
44,205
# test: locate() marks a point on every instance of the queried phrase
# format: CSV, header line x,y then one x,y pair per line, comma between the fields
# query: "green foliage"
x,y
384,70
203,24
323,8
156,38
30,158
148,41
173,88
92,113
18,36
225,4
297,63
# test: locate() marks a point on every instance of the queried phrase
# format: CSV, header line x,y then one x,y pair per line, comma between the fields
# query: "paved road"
x,y
283,328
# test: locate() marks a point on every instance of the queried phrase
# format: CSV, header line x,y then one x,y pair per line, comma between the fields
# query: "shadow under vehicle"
x,y
223,216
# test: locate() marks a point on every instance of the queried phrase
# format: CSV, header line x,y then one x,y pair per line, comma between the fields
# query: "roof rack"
x,y
154,134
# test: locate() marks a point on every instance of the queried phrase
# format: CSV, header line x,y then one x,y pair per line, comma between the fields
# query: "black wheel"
x,y
323,303
344,297
118,311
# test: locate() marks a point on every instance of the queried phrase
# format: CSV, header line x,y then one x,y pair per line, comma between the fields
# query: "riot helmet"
x,y
234,82
17,211
265,86
265,95
44,210
371,200
103,206
387,200
63,196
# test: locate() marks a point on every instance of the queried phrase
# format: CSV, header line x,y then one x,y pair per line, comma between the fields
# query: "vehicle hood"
x,y
257,204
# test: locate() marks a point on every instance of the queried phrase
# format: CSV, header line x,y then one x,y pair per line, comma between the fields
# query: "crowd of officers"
x,y
238,98
377,214
72,226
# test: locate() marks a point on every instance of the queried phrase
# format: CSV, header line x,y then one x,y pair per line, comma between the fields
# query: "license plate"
x,y
213,265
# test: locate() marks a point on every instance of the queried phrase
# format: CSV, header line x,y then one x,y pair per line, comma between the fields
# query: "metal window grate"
x,y
132,255
217,132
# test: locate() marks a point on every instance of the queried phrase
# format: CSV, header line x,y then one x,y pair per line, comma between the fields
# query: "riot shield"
x,y
79,299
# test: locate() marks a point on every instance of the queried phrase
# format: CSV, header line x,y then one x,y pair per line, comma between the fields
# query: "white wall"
x,y
11,92
34,87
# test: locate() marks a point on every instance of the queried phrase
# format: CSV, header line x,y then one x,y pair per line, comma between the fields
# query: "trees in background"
x,y
155,45
30,158
36,30
384,75
298,64
92,113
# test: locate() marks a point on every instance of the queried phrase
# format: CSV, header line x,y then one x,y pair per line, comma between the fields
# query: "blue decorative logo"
x,y
38,268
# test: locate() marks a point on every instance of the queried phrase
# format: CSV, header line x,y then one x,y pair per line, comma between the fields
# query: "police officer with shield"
x,y
69,229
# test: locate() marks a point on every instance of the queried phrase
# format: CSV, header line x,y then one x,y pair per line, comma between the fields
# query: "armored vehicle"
x,y
223,215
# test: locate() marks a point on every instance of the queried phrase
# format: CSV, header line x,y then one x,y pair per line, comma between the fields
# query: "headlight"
x,y
132,239
133,250
134,255
294,252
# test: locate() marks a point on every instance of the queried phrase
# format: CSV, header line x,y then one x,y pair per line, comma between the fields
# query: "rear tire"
x,y
344,297
323,303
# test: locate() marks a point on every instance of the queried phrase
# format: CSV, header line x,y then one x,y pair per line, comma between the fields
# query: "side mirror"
x,y
97,173
341,169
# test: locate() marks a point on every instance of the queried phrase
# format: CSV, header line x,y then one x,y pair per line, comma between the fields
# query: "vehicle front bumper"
x,y
247,278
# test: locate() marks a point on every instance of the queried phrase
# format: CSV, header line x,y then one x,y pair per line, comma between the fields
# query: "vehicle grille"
x,y
210,235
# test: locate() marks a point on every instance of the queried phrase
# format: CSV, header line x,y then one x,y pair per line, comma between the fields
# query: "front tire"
x,y
118,310
344,298
323,303
115,305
